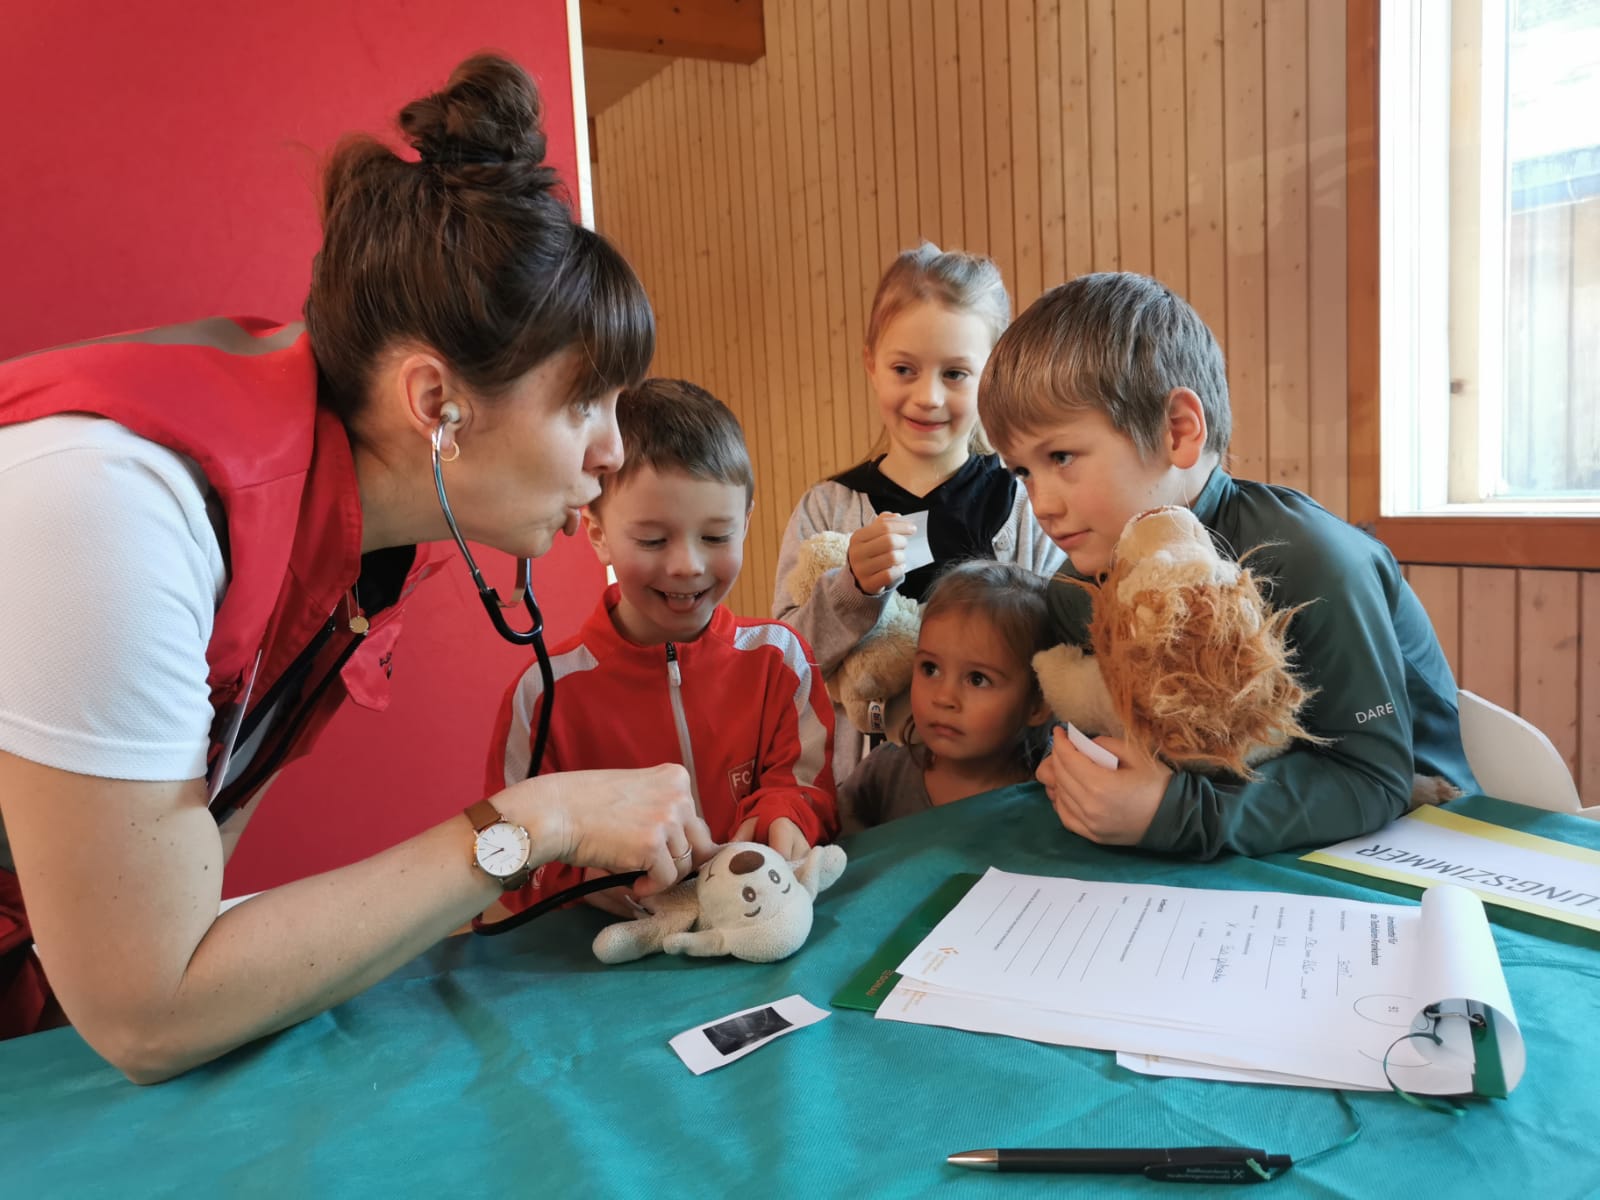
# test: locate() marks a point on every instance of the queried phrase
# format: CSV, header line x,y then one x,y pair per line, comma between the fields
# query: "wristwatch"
x,y
501,850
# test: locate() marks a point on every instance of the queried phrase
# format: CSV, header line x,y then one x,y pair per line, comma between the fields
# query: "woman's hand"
x,y
614,820
877,553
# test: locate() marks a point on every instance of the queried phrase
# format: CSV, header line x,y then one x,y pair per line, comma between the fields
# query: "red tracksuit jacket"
x,y
742,707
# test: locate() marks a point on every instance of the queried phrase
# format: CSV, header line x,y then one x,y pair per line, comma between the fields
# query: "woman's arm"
x,y
123,879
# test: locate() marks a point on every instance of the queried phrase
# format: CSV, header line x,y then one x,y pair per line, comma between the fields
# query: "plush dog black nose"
x,y
746,861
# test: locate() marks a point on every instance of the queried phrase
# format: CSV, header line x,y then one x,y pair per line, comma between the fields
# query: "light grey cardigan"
x,y
837,615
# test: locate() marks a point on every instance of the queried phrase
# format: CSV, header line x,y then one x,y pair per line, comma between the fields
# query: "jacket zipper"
x,y
289,725
675,691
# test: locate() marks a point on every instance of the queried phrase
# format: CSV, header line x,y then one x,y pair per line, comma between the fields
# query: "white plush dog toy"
x,y
873,681
747,902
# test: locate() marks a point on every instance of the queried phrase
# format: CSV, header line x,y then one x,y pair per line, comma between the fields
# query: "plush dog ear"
x,y
820,869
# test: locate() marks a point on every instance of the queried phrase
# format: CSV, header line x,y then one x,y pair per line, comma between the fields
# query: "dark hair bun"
x,y
487,114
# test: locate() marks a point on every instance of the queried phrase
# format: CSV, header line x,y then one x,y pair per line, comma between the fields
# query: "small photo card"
x,y
918,552
1087,746
717,1043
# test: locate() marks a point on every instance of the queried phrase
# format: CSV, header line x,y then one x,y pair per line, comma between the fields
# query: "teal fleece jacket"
x,y
1384,692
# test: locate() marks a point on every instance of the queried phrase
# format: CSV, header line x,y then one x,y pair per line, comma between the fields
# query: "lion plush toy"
x,y
747,901
872,682
1190,664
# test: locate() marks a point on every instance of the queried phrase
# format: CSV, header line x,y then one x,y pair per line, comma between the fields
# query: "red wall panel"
x,y
161,163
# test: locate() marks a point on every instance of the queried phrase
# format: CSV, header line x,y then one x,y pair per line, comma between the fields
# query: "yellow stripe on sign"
x,y
1509,837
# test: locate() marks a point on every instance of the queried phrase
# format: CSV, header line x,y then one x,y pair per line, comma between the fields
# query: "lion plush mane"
x,y
1191,665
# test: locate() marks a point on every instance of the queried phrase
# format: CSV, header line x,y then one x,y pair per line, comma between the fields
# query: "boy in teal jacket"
x,y
1109,397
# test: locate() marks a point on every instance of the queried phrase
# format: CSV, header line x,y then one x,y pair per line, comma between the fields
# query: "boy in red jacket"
x,y
662,671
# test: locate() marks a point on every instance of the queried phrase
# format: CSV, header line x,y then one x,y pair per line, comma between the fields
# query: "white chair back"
x,y
1513,759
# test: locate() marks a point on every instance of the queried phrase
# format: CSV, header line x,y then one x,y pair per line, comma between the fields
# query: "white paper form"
x,y
1300,985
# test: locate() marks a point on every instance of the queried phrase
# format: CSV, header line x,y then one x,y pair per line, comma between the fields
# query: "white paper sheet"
x,y
1307,986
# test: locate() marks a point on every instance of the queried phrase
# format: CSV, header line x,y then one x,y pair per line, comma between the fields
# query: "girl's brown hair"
x,y
471,251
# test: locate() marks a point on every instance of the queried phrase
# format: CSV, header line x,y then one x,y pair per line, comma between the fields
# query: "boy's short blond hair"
x,y
675,425
1113,341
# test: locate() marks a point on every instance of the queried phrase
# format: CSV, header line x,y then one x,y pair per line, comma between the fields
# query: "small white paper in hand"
x,y
1091,749
918,552
719,1042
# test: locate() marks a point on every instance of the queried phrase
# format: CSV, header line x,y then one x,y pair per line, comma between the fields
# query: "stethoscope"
x,y
533,636
450,415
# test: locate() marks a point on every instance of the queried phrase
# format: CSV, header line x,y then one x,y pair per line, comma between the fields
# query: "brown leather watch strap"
x,y
482,815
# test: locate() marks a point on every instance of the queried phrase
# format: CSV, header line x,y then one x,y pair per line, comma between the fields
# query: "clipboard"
x,y
230,735
877,977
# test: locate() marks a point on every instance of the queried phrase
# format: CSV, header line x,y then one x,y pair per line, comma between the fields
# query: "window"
x,y
1488,263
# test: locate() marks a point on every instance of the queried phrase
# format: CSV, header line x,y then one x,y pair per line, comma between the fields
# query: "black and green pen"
x,y
1188,1164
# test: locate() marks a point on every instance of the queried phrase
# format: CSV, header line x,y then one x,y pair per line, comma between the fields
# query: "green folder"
x,y
877,976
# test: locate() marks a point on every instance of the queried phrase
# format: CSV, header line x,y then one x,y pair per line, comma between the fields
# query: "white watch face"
x,y
502,849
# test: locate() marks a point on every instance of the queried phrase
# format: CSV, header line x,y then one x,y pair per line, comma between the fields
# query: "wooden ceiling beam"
x,y
719,30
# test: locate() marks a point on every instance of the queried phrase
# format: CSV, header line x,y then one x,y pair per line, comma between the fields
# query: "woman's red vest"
x,y
239,397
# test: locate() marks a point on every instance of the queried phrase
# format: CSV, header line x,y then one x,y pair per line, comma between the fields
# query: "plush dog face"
x,y
748,887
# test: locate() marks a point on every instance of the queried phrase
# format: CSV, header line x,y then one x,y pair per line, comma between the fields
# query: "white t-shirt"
x,y
110,577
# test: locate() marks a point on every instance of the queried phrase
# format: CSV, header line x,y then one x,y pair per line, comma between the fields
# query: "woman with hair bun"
x,y
210,532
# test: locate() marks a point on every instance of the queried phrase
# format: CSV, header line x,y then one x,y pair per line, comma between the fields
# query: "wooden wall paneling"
x,y
1284,94
661,277
871,259
926,85
773,490
908,214
974,131
1133,136
1439,589
1102,64
947,68
1000,243
1327,374
716,213
1589,688
1547,656
849,208
1169,166
783,291
831,162
1206,164
890,179
1489,637
1052,180
688,167
681,327
814,294
1076,154
1243,145
1023,71
804,455
755,580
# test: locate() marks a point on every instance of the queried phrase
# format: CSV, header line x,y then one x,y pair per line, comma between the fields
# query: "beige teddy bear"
x,y
873,682
747,901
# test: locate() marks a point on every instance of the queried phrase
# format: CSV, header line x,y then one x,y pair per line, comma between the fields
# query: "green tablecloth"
x,y
521,1066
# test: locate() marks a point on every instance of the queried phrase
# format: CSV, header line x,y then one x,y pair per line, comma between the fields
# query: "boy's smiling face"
x,y
1085,479
676,544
